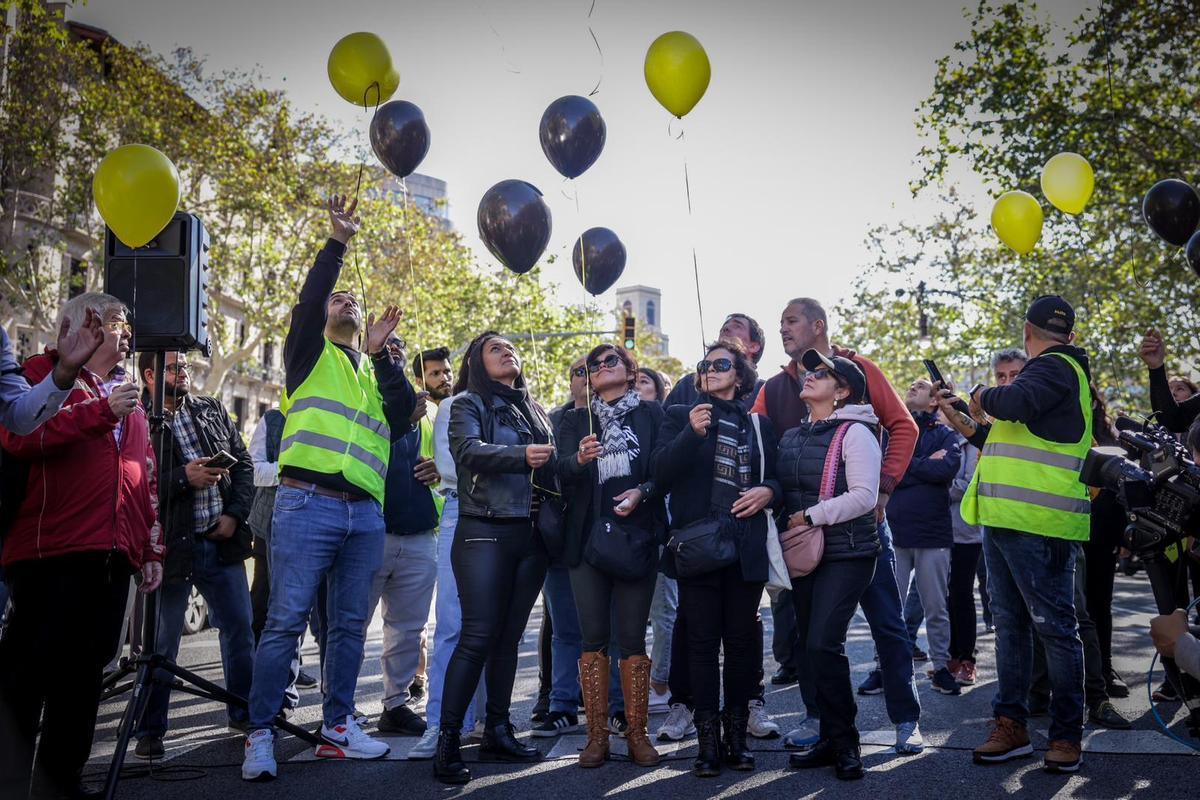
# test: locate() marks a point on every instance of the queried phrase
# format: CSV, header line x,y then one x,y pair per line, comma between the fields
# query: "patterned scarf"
x,y
731,462
614,459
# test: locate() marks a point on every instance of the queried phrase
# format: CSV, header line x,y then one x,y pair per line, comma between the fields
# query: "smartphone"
x,y
935,374
222,460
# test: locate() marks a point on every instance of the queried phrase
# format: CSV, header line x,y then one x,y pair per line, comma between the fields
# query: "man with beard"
x,y
341,407
203,511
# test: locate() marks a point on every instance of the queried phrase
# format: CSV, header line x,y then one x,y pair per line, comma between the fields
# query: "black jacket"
x,y
1044,396
1175,417
408,504
488,444
579,483
683,468
802,452
216,432
919,511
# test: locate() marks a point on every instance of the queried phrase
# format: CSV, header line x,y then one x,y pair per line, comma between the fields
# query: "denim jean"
x,y
914,614
566,640
881,606
448,624
663,608
227,596
1031,581
317,539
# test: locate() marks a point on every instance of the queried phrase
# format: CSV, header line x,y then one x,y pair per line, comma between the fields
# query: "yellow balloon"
x,y
1068,182
677,71
360,69
136,189
1017,220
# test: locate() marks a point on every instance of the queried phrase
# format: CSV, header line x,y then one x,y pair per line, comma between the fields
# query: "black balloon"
x,y
400,137
514,223
1172,209
572,134
1193,252
599,259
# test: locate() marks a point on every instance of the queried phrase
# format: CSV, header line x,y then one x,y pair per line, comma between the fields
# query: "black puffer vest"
x,y
801,461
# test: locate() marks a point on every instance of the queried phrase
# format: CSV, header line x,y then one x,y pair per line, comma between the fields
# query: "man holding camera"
x,y
1027,494
204,501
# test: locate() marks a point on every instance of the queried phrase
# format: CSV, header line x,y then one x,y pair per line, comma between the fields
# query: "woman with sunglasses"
x,y
604,465
708,460
502,445
825,599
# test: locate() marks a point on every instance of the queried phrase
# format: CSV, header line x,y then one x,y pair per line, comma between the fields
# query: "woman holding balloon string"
x,y
502,445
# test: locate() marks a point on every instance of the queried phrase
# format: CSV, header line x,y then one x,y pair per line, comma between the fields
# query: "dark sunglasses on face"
x,y
579,372
819,374
610,361
716,365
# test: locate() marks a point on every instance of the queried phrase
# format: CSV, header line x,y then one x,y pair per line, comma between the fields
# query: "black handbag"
x,y
618,548
552,527
701,547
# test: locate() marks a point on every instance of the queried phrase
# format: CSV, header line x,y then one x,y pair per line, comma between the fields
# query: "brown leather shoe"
x,y
1063,757
635,684
1008,740
593,677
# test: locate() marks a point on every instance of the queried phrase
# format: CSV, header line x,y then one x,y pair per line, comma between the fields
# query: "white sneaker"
x,y
258,763
908,738
678,724
348,741
805,737
426,747
658,702
760,725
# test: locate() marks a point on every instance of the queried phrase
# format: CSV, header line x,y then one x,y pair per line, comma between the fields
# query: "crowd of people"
x,y
638,504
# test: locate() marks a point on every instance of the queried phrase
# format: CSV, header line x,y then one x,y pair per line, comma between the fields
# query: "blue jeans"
x,y
317,539
448,624
566,645
1031,584
227,595
881,606
663,609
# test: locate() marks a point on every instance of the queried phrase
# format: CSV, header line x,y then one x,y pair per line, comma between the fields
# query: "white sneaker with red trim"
x,y
347,740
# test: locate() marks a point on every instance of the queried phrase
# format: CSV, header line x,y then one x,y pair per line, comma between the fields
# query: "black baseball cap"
x,y
844,367
1050,312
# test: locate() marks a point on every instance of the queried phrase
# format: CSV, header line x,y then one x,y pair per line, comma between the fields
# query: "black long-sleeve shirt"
x,y
1175,417
306,341
1045,396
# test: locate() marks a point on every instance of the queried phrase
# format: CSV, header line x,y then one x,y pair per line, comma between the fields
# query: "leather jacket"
x,y
488,444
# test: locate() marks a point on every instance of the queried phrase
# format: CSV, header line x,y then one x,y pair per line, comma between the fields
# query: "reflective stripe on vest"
x,y
1030,484
335,423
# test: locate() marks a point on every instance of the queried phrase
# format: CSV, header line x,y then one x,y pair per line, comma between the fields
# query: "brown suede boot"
x,y
593,677
635,684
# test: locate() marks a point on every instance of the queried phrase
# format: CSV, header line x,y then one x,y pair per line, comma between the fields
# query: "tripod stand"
x,y
145,664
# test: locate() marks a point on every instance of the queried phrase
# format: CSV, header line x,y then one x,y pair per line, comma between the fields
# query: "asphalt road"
x,y
203,758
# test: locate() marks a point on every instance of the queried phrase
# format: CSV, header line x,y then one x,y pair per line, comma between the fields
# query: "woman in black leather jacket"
x,y
707,460
502,445
825,598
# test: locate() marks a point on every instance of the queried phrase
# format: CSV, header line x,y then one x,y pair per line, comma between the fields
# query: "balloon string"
x,y
412,279
596,89
515,69
537,368
687,186
583,271
362,284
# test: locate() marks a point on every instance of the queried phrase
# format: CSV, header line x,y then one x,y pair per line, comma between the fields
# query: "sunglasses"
x,y
610,361
820,374
579,372
715,365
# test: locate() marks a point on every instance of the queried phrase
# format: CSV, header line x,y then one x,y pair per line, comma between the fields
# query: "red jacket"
x,y
84,494
893,415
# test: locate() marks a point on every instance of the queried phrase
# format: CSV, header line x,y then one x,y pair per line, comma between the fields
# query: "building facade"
x,y
644,304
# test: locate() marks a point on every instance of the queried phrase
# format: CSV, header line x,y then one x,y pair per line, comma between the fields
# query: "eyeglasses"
x,y
579,372
118,326
716,365
178,367
610,361
819,374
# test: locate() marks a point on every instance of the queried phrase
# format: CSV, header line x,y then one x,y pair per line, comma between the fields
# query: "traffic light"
x,y
630,331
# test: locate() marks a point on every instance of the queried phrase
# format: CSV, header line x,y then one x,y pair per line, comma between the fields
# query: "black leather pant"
x,y
499,566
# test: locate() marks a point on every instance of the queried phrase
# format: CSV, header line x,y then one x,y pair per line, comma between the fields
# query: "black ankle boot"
x,y
822,754
737,756
500,744
848,764
448,766
708,760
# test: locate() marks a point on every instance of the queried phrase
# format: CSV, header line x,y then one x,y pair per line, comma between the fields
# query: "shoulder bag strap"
x,y
832,457
762,454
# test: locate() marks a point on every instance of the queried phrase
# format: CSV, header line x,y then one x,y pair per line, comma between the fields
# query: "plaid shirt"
x,y
207,501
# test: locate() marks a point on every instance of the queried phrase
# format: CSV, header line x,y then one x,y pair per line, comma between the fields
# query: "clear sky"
x,y
804,141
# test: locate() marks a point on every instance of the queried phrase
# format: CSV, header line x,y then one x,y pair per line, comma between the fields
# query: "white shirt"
x,y
442,456
266,473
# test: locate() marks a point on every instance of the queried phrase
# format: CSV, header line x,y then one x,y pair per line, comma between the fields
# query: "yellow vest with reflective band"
x,y
335,423
425,431
1026,483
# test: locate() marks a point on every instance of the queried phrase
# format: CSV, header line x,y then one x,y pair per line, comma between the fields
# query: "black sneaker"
x,y
785,676
873,684
944,682
617,724
416,689
919,654
541,709
1115,685
1106,715
1165,693
305,681
556,723
150,748
402,720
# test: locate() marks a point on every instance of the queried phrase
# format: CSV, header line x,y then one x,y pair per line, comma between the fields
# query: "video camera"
x,y
1155,479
